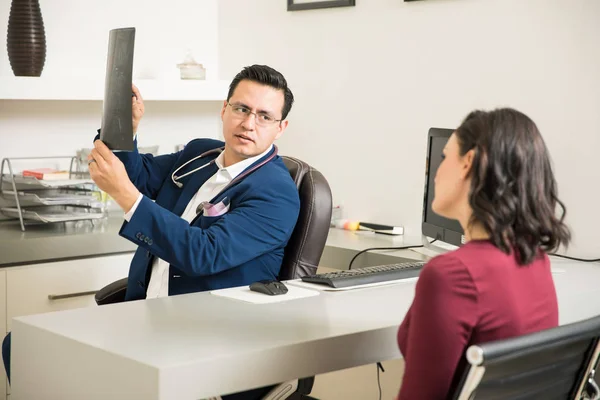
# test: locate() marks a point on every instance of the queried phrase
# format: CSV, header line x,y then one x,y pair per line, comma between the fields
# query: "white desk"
x,y
199,345
342,245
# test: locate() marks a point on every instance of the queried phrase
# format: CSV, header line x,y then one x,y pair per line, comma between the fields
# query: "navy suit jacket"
x,y
242,246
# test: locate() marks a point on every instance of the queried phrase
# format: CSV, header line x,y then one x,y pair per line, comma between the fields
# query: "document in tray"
x,y
54,216
54,198
33,182
244,293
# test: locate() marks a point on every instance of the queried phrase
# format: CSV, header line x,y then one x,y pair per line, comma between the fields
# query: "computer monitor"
x,y
434,226
116,128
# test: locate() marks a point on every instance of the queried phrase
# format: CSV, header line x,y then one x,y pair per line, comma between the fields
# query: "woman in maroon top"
x,y
497,181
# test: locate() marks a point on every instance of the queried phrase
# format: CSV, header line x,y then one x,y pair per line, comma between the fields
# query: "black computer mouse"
x,y
272,288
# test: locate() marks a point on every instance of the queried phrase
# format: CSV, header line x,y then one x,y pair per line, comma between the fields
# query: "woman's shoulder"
x,y
446,269
477,259
464,264
446,276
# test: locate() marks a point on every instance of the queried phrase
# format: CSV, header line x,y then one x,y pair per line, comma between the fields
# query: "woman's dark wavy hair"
x,y
513,190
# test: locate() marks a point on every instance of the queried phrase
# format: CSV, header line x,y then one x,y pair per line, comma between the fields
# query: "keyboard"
x,y
366,275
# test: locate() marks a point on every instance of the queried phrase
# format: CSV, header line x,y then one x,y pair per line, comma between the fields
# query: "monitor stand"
x,y
433,249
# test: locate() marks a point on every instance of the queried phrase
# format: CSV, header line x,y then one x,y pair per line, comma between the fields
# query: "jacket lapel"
x,y
249,170
194,181
191,184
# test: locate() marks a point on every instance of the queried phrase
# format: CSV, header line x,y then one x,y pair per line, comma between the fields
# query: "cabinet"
x,y
60,285
55,286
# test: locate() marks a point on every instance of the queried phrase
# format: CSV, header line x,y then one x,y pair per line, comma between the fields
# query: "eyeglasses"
x,y
261,118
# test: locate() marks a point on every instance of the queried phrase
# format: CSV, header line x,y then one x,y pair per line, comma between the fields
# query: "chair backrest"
x,y
555,363
305,247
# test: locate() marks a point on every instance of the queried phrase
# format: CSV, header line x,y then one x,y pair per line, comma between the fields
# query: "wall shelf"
x,y
53,88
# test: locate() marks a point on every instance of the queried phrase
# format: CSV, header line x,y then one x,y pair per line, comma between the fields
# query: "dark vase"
x,y
26,39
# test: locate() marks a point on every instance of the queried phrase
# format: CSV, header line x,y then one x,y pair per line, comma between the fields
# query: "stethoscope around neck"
x,y
175,178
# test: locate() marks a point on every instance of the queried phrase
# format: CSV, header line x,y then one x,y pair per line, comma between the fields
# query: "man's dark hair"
x,y
513,190
265,75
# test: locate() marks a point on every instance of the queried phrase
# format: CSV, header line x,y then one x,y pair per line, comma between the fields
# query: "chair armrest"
x,y
282,391
112,293
294,389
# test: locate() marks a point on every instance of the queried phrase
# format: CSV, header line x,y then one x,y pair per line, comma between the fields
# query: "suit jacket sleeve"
x,y
259,223
145,171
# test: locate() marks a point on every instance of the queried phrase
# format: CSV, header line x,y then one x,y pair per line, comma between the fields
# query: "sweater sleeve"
x,y
437,328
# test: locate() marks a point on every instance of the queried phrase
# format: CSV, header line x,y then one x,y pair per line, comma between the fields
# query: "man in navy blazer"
x,y
215,214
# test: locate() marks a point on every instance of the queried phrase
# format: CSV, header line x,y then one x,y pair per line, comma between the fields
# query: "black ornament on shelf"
x,y
26,39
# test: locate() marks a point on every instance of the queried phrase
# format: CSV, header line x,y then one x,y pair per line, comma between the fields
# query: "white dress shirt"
x,y
159,279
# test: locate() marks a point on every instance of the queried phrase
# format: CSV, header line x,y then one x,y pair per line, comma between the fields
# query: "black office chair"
x,y
556,363
301,256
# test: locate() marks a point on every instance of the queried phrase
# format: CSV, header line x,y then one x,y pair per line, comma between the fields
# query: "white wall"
x,y
370,80
77,35
60,128
77,43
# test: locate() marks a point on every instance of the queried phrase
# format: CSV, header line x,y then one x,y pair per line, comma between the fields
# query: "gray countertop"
x,y
82,239
60,241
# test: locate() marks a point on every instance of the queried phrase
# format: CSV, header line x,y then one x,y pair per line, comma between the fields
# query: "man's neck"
x,y
229,159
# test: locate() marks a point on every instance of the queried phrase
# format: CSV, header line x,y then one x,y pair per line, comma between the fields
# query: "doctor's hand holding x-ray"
x,y
107,171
